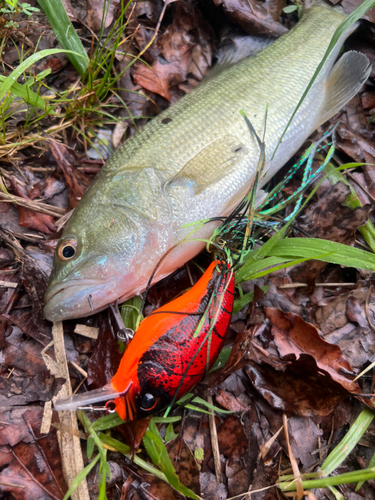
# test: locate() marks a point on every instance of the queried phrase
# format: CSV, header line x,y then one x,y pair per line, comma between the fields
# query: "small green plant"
x,y
323,478
12,8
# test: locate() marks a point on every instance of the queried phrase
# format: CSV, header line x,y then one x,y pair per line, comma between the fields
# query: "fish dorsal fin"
x,y
344,81
241,48
209,166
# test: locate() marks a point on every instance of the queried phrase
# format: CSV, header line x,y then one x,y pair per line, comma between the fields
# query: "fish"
x,y
171,351
196,161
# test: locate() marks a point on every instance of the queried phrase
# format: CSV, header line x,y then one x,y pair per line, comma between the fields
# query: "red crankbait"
x,y
171,351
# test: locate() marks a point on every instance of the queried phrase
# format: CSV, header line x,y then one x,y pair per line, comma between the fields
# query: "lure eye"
x,y
148,401
110,406
67,249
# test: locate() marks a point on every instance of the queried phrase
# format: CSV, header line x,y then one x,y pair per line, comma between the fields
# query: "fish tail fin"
x,y
345,80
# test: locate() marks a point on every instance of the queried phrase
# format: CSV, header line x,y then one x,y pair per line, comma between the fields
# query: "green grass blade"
x,y
370,465
29,96
125,450
335,253
80,477
242,302
166,420
349,21
336,493
251,268
159,455
334,176
201,401
12,78
66,34
170,433
289,263
222,358
346,445
347,478
107,422
88,426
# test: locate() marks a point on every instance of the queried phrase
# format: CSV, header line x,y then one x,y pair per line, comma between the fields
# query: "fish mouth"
x,y
76,299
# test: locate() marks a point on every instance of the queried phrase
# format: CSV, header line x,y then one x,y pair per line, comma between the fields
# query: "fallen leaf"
x,y
239,483
264,476
356,118
300,390
230,402
159,77
71,11
23,354
304,439
231,438
210,488
294,337
76,181
96,10
328,218
354,144
275,8
149,9
151,488
368,100
47,189
54,63
133,432
196,434
31,464
184,47
184,464
29,380
105,357
252,17
31,219
35,281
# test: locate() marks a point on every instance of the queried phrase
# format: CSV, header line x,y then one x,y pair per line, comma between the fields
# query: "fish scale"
x,y
195,161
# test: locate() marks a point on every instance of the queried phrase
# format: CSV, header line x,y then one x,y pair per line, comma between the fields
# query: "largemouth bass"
x,y
195,161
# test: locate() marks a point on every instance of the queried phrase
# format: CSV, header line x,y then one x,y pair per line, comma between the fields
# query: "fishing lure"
x,y
171,351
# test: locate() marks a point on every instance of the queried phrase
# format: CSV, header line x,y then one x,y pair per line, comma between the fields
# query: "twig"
x,y
301,285
7,284
37,206
293,461
214,443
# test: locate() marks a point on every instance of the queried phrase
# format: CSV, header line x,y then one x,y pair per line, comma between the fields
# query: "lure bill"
x,y
172,350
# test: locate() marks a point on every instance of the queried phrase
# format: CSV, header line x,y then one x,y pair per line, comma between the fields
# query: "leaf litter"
x,y
295,350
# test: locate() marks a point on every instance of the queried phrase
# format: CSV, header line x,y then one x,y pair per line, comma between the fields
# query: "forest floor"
x,y
48,162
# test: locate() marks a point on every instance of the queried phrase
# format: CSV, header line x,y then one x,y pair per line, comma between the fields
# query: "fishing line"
x,y
218,284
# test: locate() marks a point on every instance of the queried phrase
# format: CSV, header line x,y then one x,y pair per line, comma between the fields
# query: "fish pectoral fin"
x,y
216,161
344,81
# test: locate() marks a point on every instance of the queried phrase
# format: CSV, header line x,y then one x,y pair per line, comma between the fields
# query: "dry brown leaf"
x,y
95,10
252,17
294,337
30,219
76,181
31,465
184,464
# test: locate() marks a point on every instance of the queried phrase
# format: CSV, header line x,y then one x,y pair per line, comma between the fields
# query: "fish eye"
x,y
110,406
148,401
67,249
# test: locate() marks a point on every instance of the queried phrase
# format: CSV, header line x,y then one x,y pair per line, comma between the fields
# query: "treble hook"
x,y
124,334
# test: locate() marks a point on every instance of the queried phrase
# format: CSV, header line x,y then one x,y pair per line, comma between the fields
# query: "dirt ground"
x,y
275,368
